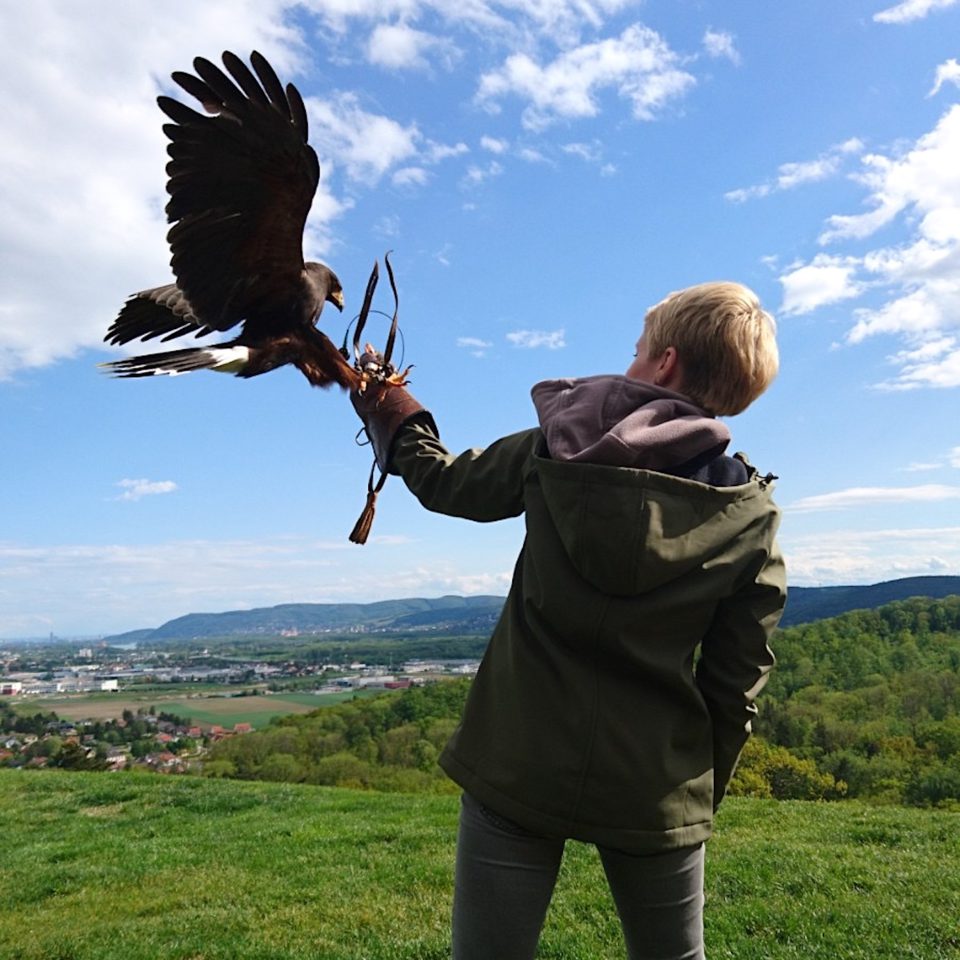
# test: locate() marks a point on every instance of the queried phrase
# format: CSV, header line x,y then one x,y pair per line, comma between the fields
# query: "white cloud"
x,y
136,489
387,227
529,155
856,497
639,65
823,281
793,174
494,145
398,46
909,10
437,152
920,369
718,43
590,152
948,72
533,339
925,178
855,556
475,345
410,176
917,314
476,174
431,154
915,283
107,588
366,144
950,459
510,21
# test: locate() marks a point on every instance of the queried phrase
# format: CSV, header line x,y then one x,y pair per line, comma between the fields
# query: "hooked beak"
x,y
336,298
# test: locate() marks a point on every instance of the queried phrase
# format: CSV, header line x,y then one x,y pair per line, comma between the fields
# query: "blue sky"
x,y
544,170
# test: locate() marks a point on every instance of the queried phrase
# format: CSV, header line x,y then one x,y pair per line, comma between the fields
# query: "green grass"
x,y
139,867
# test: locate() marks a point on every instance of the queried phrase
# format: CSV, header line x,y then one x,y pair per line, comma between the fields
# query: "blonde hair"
x,y
725,340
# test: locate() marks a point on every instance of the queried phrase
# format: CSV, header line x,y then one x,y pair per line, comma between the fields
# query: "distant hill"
x,y
454,615
805,604
458,616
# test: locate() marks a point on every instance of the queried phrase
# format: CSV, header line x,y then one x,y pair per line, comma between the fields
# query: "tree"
x,y
771,771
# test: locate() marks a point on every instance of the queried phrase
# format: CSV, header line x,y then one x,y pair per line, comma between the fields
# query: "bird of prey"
x,y
241,181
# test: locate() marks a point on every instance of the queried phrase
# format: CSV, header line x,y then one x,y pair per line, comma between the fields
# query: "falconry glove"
x,y
384,410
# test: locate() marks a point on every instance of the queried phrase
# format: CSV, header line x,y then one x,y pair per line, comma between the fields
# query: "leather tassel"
x,y
361,529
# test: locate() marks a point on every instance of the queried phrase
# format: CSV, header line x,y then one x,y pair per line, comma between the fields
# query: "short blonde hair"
x,y
725,340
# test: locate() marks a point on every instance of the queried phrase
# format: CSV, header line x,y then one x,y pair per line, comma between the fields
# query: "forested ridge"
x,y
866,704
872,698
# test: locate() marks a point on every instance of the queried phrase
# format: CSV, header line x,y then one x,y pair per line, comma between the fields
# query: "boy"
x,y
645,545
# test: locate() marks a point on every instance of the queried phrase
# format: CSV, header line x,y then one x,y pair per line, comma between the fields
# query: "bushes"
x,y
771,771
383,743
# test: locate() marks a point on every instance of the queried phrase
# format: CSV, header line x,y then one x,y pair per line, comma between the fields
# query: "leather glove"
x,y
384,410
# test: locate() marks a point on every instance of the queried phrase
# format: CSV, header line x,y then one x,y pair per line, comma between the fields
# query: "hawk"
x,y
241,179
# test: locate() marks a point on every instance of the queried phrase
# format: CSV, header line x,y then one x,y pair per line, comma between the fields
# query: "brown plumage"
x,y
241,181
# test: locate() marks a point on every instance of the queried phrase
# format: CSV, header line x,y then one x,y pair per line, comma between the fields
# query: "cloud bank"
x,y
913,287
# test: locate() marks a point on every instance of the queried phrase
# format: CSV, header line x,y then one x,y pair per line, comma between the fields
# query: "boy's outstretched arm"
x,y
481,485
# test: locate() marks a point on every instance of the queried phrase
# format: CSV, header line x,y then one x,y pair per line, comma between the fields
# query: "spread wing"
x,y
158,312
241,182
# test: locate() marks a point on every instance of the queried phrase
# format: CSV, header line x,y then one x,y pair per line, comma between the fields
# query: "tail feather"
x,y
225,359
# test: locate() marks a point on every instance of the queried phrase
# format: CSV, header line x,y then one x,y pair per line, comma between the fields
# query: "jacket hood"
x,y
616,421
627,527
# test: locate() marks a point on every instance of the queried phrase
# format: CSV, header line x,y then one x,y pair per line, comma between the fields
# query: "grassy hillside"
x,y
128,867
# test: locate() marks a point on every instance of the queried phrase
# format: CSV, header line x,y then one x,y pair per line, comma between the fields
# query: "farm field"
x,y
204,710
132,866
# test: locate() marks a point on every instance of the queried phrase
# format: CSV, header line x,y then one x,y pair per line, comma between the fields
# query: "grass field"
x,y
203,710
139,867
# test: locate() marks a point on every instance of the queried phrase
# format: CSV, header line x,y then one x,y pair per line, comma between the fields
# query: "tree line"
x,y
388,742
866,704
869,701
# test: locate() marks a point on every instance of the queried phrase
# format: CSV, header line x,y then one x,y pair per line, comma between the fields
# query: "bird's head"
x,y
326,283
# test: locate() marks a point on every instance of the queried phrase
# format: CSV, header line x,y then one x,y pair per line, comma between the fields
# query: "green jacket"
x,y
587,718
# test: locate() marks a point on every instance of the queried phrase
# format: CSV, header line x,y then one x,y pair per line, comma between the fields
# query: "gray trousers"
x,y
505,878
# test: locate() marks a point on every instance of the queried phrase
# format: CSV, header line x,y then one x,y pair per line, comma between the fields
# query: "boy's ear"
x,y
668,372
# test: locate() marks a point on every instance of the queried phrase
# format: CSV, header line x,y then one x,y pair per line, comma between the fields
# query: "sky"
x,y
543,171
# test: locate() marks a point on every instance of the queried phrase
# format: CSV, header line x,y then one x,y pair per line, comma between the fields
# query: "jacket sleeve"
x,y
479,485
735,660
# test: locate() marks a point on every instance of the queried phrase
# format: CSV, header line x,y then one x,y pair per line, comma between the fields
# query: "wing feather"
x,y
271,82
241,183
198,89
158,312
248,82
